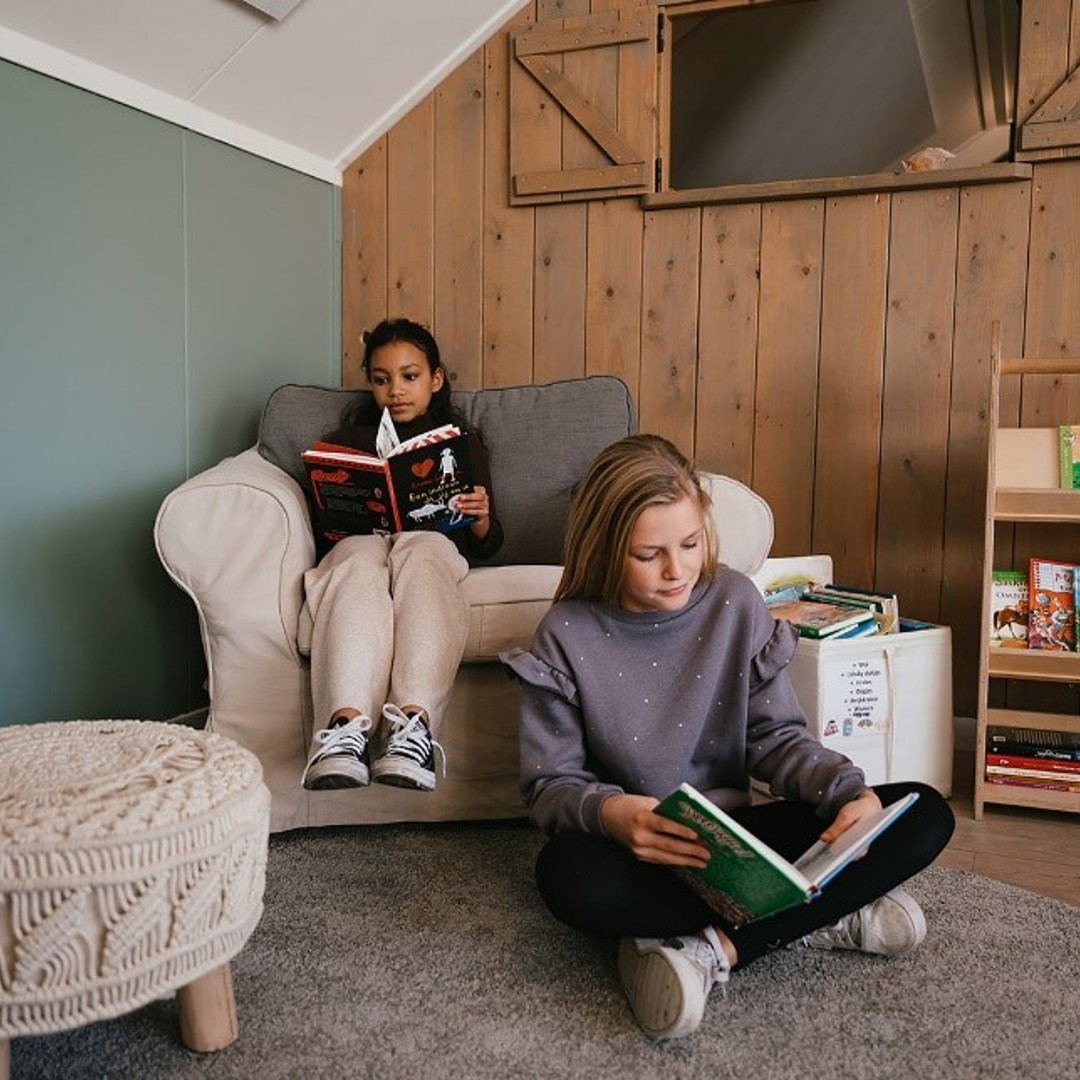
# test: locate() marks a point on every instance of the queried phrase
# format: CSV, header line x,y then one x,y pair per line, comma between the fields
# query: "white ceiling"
x,y
310,91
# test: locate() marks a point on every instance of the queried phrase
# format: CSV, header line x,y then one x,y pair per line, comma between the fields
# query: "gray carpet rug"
x,y
423,951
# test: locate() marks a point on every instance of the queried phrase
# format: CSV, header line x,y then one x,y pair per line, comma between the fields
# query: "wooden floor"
x,y
1035,849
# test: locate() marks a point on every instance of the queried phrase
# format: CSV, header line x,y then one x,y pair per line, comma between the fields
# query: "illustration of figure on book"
x,y
1051,625
1052,604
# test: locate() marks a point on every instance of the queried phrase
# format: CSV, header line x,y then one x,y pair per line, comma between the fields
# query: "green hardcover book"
x,y
1069,455
745,879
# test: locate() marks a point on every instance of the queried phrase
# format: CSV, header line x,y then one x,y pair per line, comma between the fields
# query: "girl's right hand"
x,y
630,820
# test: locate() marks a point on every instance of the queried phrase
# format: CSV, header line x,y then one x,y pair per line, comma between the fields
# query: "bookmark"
x,y
386,438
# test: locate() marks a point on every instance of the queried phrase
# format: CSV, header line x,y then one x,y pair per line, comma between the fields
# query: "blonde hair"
x,y
623,480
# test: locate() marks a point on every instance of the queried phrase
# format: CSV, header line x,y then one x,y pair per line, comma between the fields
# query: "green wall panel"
x,y
154,286
260,291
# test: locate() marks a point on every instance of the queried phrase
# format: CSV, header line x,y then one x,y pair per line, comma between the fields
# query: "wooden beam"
x,y
613,176
606,29
597,126
837,185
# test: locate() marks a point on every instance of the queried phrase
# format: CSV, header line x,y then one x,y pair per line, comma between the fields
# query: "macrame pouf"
x,y
132,864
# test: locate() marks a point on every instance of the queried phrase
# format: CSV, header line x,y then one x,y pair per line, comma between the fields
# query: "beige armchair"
x,y
237,539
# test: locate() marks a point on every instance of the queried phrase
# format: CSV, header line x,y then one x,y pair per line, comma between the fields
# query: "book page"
x,y
386,438
821,861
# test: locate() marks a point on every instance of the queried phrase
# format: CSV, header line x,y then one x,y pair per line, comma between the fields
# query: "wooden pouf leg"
x,y
208,1012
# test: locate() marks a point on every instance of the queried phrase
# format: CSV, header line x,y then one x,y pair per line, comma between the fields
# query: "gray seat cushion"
x,y
540,440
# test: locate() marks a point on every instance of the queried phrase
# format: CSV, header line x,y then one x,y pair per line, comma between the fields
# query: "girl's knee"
x,y
432,549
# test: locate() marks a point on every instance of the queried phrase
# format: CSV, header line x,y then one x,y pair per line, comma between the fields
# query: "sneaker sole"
x,y
331,775
403,774
657,995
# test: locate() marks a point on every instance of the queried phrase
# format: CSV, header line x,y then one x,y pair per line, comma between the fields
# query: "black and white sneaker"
x,y
408,757
339,756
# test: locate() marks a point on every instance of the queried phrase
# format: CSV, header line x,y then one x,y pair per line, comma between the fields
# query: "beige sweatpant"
x,y
384,621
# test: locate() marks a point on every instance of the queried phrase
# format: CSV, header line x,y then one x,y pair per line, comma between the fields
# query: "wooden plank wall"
x,y
833,352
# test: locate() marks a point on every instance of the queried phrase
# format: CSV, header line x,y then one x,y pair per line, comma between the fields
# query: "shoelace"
x,y
721,967
411,738
840,933
347,739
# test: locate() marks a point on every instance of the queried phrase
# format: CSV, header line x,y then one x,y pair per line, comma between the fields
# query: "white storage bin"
x,y
883,701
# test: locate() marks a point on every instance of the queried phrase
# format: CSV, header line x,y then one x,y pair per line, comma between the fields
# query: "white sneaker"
x,y
667,980
408,758
339,756
892,924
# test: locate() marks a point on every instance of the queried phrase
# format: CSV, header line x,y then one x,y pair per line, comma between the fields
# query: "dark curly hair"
x,y
363,410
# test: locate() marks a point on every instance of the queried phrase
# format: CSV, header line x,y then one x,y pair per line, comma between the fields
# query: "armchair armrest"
x,y
237,538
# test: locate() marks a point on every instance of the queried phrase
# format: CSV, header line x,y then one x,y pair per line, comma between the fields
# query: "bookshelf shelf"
x,y
1022,487
1034,664
1031,504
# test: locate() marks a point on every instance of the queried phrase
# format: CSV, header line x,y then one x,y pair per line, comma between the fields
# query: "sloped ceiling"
x,y
310,91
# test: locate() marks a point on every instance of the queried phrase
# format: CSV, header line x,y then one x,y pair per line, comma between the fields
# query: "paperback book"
x,y
1051,606
1008,609
1033,743
1056,784
1016,764
414,486
745,879
1069,455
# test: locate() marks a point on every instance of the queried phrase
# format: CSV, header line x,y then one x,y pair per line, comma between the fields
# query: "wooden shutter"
x,y
582,107
1055,124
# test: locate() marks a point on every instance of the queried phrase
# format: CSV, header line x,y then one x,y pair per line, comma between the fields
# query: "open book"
x,y
414,486
745,879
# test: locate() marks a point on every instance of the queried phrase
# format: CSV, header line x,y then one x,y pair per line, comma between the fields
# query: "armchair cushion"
x,y
540,440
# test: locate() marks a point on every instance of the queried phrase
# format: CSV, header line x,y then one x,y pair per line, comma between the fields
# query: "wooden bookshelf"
x,y
1022,486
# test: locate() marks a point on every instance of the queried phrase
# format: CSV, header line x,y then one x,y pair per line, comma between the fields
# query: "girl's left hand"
x,y
475,504
863,804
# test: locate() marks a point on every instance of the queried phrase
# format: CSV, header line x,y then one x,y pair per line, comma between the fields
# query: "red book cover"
x,y
1051,606
1034,764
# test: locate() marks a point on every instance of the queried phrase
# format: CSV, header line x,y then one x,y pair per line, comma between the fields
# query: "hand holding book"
x,y
745,879
632,821
475,505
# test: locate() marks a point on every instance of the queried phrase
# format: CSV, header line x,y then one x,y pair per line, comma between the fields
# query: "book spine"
x,y
395,512
1017,766
1068,462
1033,751
838,598
1056,784
1064,456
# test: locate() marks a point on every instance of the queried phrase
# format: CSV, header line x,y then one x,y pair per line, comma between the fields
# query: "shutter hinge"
x,y
660,32
658,174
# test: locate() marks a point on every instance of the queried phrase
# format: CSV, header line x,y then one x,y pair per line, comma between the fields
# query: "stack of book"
x,y
1037,609
835,611
1028,757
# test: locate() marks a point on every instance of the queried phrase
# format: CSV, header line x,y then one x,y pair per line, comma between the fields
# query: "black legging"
x,y
598,886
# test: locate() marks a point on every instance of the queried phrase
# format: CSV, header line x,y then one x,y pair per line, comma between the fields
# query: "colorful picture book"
x,y
1069,456
1008,609
413,487
745,879
884,605
822,619
1051,605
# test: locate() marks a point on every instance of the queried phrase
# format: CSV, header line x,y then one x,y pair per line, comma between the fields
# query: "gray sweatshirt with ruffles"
x,y
618,701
